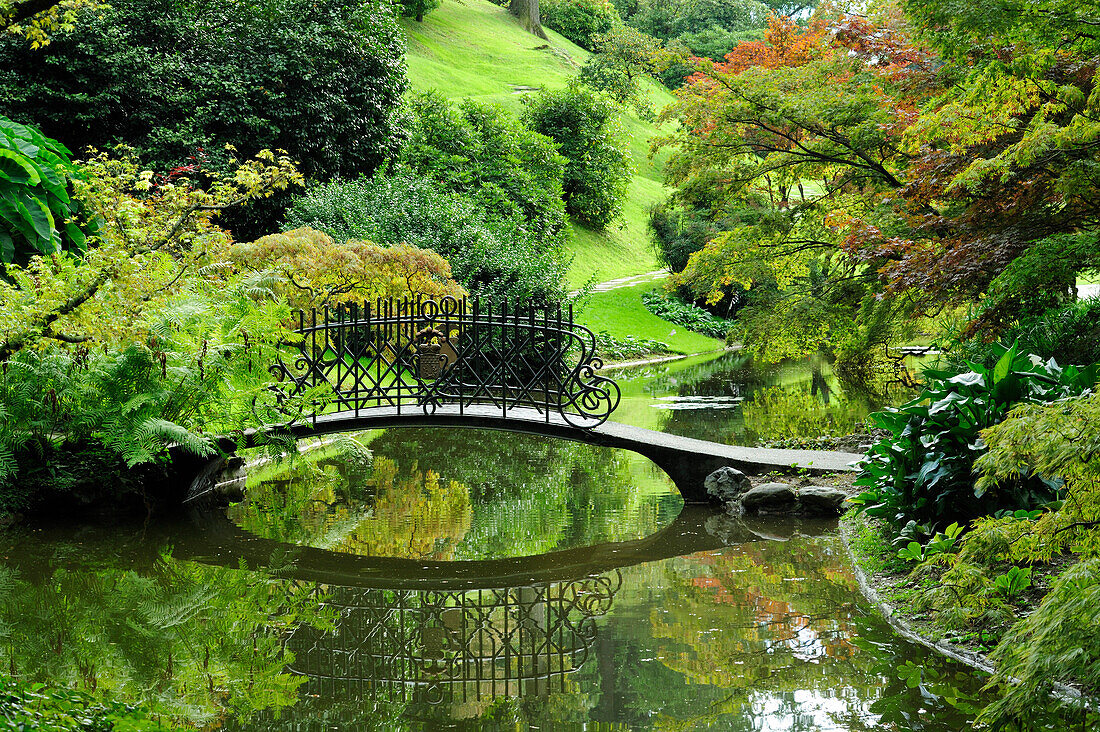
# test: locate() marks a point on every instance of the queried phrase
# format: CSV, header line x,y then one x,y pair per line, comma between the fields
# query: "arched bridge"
x,y
469,364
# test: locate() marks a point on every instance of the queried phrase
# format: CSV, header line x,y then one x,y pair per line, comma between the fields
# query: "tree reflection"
x,y
188,640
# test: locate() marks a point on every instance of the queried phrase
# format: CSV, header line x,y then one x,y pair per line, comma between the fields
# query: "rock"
x,y
819,500
727,484
770,498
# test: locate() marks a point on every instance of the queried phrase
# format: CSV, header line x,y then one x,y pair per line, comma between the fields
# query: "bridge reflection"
x,y
451,648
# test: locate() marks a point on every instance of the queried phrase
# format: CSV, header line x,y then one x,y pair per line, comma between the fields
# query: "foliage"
x,y
585,126
148,340
689,315
941,543
801,105
1056,642
484,153
189,640
156,239
418,8
708,28
579,20
628,347
178,81
47,709
996,163
316,272
37,215
622,59
493,255
37,20
1069,334
924,469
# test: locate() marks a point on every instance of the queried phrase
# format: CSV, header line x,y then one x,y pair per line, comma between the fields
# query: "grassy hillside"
x,y
474,49
621,313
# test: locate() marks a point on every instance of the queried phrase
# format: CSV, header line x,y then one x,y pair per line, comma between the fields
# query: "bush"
x,y
493,256
925,470
585,126
579,20
621,349
1069,335
320,80
689,315
46,709
484,153
418,8
37,216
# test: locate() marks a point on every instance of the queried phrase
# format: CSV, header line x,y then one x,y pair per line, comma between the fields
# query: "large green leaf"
x,y
41,219
18,169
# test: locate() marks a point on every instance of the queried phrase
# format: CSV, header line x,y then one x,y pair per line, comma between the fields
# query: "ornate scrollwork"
x,y
426,353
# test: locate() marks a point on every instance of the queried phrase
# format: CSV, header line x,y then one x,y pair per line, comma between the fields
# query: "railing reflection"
x,y
429,647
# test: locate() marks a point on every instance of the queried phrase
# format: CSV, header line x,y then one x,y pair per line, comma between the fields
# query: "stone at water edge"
x,y
726,484
770,498
819,500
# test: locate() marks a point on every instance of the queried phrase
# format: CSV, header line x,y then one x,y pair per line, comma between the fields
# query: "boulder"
x,y
770,498
818,500
727,484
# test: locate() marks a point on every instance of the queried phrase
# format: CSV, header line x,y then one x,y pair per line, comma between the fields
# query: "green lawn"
x,y
621,313
474,49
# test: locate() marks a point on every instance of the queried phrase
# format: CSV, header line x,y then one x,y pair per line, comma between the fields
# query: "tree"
x,y
623,59
754,130
179,80
586,129
1001,198
418,8
527,11
494,256
36,20
154,231
481,151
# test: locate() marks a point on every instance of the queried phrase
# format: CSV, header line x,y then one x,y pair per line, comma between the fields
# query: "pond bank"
x,y
874,580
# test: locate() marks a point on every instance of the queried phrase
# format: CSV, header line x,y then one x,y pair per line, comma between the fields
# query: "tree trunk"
x,y
527,11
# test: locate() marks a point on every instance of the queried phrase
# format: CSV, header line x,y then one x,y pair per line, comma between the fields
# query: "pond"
x,y
477,580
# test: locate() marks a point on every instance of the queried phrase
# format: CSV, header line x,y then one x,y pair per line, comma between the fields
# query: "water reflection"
x,y
704,397
440,647
475,580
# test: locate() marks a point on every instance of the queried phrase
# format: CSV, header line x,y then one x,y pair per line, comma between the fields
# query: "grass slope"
x,y
474,49
621,313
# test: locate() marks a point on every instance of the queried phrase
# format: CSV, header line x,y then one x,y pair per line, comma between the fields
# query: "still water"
x,y
477,580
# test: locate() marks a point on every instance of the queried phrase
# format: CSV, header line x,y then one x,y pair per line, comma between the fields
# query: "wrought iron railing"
x,y
421,354
445,647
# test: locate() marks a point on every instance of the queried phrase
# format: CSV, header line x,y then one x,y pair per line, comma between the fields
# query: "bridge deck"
x,y
688,461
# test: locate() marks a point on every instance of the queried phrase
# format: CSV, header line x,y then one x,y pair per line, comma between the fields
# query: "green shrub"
x,y
621,349
36,214
25,706
1068,334
579,20
418,8
493,256
483,152
321,80
585,127
689,315
924,471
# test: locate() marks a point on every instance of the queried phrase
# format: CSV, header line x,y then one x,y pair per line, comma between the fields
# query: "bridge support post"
x,y
689,471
